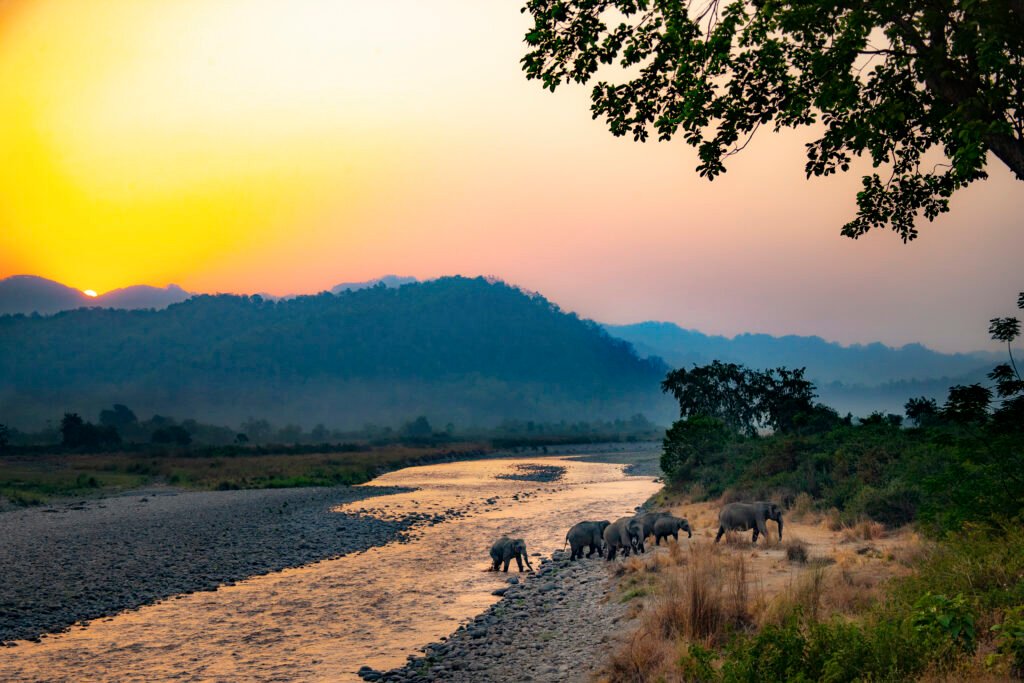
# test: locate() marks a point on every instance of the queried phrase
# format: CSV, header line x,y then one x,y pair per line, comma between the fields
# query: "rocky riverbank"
x,y
553,625
79,561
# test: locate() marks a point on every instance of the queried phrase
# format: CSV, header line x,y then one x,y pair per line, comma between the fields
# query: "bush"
x,y
947,625
1010,641
796,550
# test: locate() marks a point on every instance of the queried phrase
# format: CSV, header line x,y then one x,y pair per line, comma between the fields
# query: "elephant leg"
x,y
519,562
590,552
507,563
762,529
611,553
755,536
497,563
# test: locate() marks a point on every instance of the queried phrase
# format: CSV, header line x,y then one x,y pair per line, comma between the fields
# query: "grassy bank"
x,y
831,603
35,479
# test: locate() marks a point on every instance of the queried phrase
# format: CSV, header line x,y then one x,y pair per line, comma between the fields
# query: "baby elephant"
x,y
505,549
625,533
670,526
746,516
586,534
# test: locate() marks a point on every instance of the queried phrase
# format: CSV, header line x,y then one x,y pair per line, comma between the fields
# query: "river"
x,y
323,621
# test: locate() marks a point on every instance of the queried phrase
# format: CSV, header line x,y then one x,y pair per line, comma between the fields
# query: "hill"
x,y
29,294
470,351
856,378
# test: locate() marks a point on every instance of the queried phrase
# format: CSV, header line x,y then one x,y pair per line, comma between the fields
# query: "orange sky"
x,y
238,145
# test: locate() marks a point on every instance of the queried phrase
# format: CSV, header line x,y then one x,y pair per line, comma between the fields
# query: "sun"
x,y
89,292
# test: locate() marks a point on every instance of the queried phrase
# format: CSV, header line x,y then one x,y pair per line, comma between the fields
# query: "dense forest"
x,y
468,351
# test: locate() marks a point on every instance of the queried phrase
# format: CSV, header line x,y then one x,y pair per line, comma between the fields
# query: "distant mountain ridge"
x,y
469,351
28,294
859,378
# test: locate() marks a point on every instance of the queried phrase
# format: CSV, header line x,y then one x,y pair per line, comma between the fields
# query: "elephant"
x,y
670,526
505,549
648,519
746,516
586,534
625,533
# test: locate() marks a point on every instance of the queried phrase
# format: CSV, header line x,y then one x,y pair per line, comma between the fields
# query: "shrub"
x,y
947,626
796,550
1010,641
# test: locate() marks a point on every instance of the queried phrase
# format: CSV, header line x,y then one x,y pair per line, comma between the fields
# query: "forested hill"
x,y
470,351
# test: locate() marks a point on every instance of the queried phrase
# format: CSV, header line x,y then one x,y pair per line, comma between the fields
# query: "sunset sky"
x,y
244,146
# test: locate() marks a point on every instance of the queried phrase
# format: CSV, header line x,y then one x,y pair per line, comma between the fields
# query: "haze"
x,y
284,147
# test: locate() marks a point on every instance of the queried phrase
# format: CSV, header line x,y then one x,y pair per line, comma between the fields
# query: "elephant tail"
x,y
566,542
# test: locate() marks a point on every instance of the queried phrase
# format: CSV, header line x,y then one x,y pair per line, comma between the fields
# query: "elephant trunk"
x,y
779,520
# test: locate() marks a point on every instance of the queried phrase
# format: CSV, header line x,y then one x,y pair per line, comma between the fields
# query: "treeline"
x,y
944,465
118,428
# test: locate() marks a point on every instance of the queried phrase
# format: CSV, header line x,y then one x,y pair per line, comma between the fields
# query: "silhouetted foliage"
x,y
418,428
743,399
175,434
1009,416
895,82
922,411
967,404
5,437
118,417
79,434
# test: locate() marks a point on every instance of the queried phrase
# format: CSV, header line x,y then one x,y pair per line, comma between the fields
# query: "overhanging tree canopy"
x,y
889,79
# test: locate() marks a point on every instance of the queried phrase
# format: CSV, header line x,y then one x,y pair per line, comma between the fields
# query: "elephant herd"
x,y
627,534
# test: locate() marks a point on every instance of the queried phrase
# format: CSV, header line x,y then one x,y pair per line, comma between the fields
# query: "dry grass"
x,y
700,591
802,508
864,530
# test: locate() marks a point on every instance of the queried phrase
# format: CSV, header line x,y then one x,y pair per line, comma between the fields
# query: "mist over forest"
x,y
472,352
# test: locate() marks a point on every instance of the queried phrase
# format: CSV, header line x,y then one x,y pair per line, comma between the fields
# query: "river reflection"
x,y
323,621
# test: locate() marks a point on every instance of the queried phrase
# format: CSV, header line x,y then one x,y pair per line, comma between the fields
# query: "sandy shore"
x,y
79,561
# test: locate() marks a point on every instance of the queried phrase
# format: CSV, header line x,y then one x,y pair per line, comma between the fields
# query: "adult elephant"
x,y
648,520
586,535
746,516
670,526
624,533
506,549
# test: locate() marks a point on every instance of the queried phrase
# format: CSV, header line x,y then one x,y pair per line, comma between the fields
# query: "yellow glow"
x,y
89,292
144,140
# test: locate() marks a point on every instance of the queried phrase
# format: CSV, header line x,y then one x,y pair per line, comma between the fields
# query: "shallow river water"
x,y
323,621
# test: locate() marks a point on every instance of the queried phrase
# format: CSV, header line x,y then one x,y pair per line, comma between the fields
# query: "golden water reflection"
x,y
325,620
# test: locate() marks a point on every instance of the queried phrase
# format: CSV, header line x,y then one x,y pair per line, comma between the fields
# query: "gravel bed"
x,y
541,473
552,625
74,562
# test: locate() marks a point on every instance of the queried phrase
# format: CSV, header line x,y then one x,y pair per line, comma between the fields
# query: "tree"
x,y
743,399
418,428
967,404
5,437
922,411
1007,377
174,434
118,417
723,391
77,433
898,82
690,444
